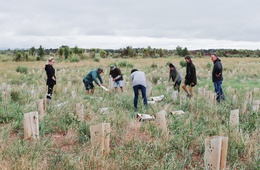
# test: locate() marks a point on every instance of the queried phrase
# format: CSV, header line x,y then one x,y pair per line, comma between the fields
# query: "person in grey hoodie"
x,y
217,77
51,78
175,76
139,83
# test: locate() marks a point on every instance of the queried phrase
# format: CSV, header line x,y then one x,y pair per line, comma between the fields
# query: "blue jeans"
x,y
219,91
143,90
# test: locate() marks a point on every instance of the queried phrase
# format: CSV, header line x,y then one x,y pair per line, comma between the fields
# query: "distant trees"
x,y
182,52
77,54
102,53
40,53
32,51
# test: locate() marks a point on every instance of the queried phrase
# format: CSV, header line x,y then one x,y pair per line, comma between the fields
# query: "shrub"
x,y
96,59
154,65
155,79
125,64
209,65
18,57
15,96
183,63
74,59
22,69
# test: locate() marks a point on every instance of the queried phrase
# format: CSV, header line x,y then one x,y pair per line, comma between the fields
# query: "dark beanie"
x,y
171,65
187,57
133,70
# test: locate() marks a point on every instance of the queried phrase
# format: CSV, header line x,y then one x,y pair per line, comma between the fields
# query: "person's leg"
x,y
184,86
177,86
86,86
136,88
115,86
50,90
217,91
92,88
121,84
191,91
222,96
143,90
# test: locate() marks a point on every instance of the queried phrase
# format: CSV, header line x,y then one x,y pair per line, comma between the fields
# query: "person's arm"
x,y
119,75
218,70
177,77
94,76
100,79
193,75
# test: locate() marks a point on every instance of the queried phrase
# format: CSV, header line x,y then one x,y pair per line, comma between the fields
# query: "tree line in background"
x,y
76,54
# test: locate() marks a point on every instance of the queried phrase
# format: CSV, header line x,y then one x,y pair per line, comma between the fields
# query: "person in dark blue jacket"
x,y
217,77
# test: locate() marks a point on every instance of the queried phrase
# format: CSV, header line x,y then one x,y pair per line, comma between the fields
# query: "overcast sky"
x,y
195,24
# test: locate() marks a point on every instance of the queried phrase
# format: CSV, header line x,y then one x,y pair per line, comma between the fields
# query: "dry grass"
x,y
65,142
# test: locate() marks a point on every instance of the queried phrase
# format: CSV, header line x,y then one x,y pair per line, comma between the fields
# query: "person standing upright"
x,y
217,77
51,78
175,76
190,78
139,83
116,75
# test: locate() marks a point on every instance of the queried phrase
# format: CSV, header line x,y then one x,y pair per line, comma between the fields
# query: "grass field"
x,y
65,141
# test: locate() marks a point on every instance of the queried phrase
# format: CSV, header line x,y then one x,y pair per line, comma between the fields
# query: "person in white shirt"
x,y
139,83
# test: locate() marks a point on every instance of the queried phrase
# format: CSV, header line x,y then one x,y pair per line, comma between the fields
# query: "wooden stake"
x,y
215,152
41,107
74,95
255,105
175,96
161,119
110,83
100,138
79,111
31,125
234,118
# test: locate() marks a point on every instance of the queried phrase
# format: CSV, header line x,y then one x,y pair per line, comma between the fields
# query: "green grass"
x,y
134,145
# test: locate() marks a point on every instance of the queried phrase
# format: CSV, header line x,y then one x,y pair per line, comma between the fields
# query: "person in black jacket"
x,y
217,77
190,78
51,78
116,75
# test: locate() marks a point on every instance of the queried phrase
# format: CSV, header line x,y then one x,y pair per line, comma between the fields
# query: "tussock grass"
x,y
134,145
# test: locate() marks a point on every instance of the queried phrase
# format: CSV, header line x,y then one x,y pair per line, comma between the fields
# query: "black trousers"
x,y
50,90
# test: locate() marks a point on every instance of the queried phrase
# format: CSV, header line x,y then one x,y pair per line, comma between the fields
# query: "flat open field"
x,y
64,140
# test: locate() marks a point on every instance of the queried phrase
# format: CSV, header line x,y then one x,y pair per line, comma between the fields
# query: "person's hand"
x,y
102,84
192,84
114,79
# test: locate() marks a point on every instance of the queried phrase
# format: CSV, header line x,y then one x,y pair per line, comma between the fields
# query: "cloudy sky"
x,y
195,24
